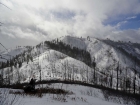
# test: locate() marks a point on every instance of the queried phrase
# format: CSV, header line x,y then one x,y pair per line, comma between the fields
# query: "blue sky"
x,y
125,22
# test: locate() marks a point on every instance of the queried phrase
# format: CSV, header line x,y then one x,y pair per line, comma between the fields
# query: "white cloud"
x,y
126,35
120,23
39,20
133,17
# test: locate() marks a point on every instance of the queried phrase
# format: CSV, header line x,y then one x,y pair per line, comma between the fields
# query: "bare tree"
x,y
73,72
87,74
117,76
1,77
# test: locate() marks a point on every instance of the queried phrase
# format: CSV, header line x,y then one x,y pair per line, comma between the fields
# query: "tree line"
x,y
73,52
6,68
127,82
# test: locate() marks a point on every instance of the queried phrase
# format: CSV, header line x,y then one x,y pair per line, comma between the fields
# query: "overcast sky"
x,y
32,21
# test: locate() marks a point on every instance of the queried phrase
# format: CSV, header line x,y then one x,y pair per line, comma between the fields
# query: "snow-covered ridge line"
x,y
12,53
103,53
56,65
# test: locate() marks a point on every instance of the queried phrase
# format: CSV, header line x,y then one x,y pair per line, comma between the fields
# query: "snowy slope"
x,y
131,48
74,42
12,53
56,65
53,65
105,55
81,96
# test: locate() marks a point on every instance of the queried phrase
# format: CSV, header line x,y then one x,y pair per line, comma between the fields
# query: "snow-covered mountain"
x,y
7,55
107,53
53,65
46,62
57,65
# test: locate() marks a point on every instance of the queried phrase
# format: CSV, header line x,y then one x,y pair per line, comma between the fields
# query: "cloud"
x,y
120,23
39,20
125,35
133,17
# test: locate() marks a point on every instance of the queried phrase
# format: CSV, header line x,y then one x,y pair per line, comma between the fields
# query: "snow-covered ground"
x,y
81,96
